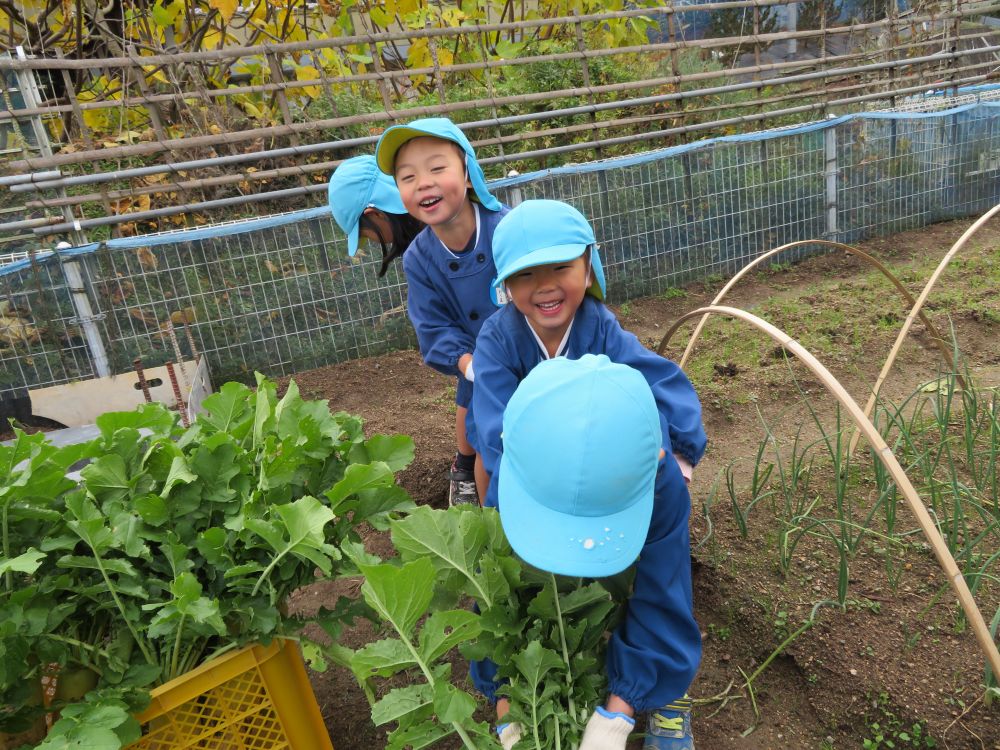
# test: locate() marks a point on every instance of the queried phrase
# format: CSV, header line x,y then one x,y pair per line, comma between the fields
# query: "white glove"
x,y
510,734
607,731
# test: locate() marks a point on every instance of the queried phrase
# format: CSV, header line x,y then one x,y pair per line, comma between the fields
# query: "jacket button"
x,y
481,258
473,316
453,265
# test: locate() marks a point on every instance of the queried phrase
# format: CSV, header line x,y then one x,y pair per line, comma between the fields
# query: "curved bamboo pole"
x,y
942,345
917,311
888,459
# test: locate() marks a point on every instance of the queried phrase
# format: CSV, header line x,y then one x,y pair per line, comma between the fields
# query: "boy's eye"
x,y
404,177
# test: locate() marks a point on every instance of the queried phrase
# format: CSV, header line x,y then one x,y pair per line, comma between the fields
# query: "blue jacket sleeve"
x,y
676,399
498,373
441,341
654,654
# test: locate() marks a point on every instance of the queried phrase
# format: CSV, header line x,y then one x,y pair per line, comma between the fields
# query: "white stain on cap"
x,y
588,544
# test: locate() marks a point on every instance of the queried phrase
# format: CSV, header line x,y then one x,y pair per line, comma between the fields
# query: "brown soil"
x,y
898,655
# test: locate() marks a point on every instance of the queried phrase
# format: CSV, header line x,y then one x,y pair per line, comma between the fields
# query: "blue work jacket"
x,y
448,293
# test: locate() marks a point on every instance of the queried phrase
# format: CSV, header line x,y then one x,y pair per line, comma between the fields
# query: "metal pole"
x,y
85,315
830,138
143,383
792,23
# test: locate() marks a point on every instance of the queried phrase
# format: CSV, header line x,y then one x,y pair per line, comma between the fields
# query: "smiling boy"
x,y
449,266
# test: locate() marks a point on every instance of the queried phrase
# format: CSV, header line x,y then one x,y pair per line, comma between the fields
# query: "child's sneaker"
x,y
669,728
462,487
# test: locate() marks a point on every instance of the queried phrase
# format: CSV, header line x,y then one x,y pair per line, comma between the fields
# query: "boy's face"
x,y
549,296
430,176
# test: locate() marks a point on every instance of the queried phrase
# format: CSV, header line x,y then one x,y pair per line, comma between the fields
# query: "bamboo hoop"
x,y
888,459
959,244
942,345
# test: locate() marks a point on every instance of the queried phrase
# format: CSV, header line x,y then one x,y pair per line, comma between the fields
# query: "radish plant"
x,y
176,545
545,633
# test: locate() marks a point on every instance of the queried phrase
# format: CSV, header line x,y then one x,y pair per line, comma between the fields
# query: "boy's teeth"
x,y
429,202
547,305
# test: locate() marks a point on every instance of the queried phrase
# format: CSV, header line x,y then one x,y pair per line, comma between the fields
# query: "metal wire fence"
x,y
279,294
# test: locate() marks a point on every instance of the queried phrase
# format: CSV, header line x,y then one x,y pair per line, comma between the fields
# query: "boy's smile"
x,y
430,175
549,296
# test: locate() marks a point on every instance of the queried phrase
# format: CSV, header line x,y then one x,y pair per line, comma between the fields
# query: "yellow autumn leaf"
x,y
307,73
453,16
259,14
419,55
445,56
251,109
155,73
213,40
226,8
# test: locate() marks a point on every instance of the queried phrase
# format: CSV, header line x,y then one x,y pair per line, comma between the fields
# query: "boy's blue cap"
x,y
581,446
435,127
358,184
538,232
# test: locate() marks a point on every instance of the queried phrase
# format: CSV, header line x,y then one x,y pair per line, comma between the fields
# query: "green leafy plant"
x,y
545,633
175,545
888,731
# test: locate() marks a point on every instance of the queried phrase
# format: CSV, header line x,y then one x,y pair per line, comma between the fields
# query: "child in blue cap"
x,y
585,488
365,203
551,282
449,266
549,271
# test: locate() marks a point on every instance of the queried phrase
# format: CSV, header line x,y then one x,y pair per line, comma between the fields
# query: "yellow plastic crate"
x,y
257,698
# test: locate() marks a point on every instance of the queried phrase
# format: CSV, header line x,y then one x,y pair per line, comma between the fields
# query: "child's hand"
x,y
607,730
465,367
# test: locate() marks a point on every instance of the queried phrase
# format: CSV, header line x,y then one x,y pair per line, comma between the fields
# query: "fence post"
x,y
515,191
84,314
29,91
830,140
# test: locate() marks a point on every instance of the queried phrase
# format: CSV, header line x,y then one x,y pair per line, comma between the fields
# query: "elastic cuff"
x,y
686,449
614,715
